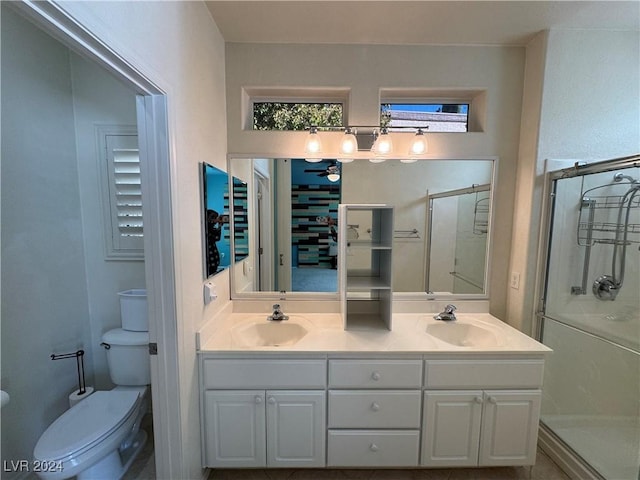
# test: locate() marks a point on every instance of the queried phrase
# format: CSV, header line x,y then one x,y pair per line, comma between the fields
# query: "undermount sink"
x,y
266,333
463,334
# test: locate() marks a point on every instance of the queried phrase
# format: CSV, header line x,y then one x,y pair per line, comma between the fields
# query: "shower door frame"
x,y
552,444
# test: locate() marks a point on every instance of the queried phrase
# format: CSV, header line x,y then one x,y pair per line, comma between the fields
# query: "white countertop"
x,y
327,335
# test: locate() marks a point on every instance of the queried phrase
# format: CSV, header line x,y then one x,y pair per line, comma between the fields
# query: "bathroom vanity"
x,y
431,394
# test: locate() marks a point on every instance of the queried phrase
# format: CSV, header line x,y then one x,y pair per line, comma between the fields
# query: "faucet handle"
x,y
276,306
450,308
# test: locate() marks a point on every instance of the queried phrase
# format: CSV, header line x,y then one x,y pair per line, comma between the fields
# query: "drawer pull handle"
x,y
478,399
258,399
375,406
272,400
376,376
373,447
492,400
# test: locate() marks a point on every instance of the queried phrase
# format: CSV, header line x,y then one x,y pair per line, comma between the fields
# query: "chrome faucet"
x,y
447,314
277,315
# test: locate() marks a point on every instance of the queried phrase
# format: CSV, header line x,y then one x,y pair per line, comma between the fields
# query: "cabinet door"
x,y
234,428
296,426
510,427
451,428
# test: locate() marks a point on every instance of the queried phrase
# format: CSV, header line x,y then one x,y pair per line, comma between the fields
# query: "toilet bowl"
x,y
96,438
99,437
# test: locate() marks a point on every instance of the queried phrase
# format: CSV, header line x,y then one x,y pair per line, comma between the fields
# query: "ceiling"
x,y
414,22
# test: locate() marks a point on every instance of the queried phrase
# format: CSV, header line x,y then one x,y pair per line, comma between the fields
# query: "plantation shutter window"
x,y
125,196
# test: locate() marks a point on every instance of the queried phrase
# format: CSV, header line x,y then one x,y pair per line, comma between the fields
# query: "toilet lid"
x,y
86,423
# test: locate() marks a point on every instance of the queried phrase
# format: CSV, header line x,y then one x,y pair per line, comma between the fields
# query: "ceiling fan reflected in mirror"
x,y
332,172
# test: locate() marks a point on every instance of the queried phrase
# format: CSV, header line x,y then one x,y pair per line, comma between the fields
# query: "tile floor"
x,y
544,469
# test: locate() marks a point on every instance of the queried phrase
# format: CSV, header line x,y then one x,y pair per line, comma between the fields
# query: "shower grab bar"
x,y
406,233
466,279
582,289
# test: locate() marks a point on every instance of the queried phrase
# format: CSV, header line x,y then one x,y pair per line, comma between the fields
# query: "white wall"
x,y
581,102
45,305
177,46
366,69
48,105
99,100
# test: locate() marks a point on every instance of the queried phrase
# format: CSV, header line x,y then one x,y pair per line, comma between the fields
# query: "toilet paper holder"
x,y
79,356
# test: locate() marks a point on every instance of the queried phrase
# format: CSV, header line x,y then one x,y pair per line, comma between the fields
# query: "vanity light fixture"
x,y
313,146
419,147
376,140
383,146
349,144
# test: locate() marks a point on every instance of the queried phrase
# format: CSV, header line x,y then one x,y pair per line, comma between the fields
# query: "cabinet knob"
x,y
373,447
492,400
375,406
272,400
258,399
478,399
376,376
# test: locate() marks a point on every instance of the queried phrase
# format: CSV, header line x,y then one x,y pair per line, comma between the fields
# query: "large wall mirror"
x,y
292,216
215,219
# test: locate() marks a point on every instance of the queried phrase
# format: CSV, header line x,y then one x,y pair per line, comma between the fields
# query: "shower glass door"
x,y
591,316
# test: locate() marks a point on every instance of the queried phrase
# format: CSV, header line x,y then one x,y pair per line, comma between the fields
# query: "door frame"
x,y
156,165
283,219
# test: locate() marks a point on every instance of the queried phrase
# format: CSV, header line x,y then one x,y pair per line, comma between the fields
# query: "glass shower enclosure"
x,y
590,316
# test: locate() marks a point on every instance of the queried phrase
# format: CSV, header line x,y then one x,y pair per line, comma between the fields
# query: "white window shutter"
x,y
125,227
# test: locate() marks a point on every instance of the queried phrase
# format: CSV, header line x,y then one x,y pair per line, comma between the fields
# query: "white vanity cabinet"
x,y
369,410
481,412
251,420
374,412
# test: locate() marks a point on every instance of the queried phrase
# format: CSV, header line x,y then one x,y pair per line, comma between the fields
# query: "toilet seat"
x,y
86,424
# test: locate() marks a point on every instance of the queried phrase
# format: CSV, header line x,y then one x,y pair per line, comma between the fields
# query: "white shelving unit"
x,y
365,266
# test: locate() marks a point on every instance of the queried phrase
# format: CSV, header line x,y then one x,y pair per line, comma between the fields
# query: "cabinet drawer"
x,y
375,373
281,374
372,448
483,373
374,409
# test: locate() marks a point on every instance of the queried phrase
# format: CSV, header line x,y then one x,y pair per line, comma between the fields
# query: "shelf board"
x,y
365,321
367,283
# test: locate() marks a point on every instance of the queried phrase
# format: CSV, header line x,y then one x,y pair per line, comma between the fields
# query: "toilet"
x,y
100,436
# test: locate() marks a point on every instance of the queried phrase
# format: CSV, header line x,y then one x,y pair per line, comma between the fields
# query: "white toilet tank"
x,y
128,357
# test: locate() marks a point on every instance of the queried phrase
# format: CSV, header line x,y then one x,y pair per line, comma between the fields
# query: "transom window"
x,y
435,117
296,115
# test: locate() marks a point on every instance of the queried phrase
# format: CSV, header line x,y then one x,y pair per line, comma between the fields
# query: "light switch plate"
x,y
515,280
210,293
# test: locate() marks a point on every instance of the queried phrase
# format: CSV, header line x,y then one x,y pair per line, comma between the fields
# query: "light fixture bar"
x,y
359,140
